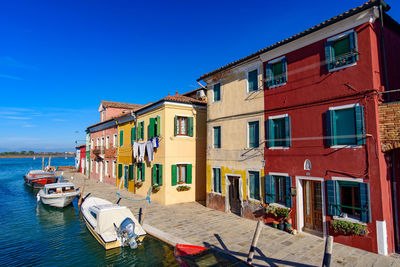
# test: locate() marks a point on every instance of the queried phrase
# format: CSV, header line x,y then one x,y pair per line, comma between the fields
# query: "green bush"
x,y
349,227
277,211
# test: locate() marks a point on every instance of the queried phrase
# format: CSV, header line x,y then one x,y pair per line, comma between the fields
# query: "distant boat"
x,y
58,194
111,224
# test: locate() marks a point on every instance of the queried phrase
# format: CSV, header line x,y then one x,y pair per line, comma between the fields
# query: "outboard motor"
x,y
127,233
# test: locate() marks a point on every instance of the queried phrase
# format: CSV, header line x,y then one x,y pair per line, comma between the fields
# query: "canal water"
x,y
34,234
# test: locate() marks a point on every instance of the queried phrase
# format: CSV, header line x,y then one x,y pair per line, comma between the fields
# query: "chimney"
x,y
176,92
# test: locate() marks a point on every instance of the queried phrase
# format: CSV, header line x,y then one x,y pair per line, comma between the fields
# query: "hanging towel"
x,y
142,150
155,142
149,149
135,150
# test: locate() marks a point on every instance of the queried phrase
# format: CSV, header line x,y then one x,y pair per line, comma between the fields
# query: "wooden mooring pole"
x,y
142,212
254,242
328,252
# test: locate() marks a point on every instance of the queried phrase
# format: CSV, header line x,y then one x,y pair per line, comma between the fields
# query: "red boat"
x,y
195,256
37,179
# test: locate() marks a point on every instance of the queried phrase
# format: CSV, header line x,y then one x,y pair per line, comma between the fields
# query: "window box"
x,y
183,188
343,227
138,184
276,72
341,51
155,188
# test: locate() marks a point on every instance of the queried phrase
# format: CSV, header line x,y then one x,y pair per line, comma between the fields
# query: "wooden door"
x,y
234,196
312,196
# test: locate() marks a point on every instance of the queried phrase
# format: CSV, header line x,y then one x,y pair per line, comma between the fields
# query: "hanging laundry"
x,y
149,149
135,150
155,142
142,150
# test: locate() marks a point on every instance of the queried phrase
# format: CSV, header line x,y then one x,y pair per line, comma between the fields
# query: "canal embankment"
x,y
198,225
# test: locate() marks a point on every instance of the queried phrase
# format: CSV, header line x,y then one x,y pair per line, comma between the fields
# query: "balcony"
x,y
98,150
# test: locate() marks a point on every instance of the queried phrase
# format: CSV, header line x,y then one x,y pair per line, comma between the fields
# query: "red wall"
x,y
310,90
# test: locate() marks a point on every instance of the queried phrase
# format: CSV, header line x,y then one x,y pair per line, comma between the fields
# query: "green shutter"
x,y
154,174
133,134
138,176
142,130
174,170
190,126
271,135
269,189
121,138
160,172
252,185
175,125
119,170
130,172
354,45
331,128
143,171
139,130
288,134
189,173
158,119
360,124
269,75
289,199
152,122
365,202
283,79
328,55
332,188
217,92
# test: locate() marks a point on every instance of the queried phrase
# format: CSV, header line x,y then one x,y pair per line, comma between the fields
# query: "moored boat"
x,y
39,178
111,224
58,194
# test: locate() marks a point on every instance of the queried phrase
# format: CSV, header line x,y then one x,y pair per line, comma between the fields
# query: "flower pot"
x,y
288,225
281,226
275,224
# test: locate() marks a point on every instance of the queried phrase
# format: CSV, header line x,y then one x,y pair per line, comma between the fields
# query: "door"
x,y
312,196
234,195
126,173
101,171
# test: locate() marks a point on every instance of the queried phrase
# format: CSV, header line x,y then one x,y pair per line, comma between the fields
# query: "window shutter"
x,y
328,55
143,172
283,79
270,133
174,170
158,119
218,173
269,76
130,172
288,185
190,126
189,174
160,171
142,130
133,134
269,189
138,176
288,133
151,127
119,170
332,192
139,131
175,125
360,124
331,128
353,46
154,174
251,135
121,138
365,202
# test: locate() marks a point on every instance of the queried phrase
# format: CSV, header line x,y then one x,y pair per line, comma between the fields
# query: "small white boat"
x,y
111,224
58,194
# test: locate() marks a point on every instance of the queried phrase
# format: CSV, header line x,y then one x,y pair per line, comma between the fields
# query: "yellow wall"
x,y
125,153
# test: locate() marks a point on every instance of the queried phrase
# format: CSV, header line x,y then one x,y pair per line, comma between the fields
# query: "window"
x,y
253,134
183,126
140,168
181,173
92,144
217,137
278,189
345,125
140,134
106,168
278,131
154,126
217,187
102,142
115,140
252,81
157,174
217,92
121,138
341,50
348,197
97,167
114,169
97,142
119,170
276,72
108,142
130,172
254,185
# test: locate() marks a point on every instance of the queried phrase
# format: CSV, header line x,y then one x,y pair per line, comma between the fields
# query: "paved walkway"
x,y
199,225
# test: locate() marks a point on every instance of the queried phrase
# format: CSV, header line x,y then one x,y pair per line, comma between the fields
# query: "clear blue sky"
x,y
59,59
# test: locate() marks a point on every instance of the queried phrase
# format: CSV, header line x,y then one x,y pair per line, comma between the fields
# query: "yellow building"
x,y
175,167
235,147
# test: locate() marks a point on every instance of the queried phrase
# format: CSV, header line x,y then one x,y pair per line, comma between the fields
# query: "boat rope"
x,y
134,200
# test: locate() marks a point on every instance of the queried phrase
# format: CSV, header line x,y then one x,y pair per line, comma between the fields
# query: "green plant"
x,y
156,188
282,212
270,210
349,228
138,183
183,188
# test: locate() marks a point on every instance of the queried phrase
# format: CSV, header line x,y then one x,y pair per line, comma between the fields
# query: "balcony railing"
x,y
98,150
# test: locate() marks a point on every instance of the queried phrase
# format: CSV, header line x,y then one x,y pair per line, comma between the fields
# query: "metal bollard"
x,y
254,242
328,252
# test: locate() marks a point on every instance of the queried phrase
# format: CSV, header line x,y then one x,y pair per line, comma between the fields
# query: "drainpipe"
x,y
383,48
394,200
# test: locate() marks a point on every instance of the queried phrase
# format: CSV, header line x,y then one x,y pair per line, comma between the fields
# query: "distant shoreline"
x,y
37,156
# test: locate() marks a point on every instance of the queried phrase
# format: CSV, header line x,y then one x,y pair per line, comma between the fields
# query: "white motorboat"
x,y
111,224
58,194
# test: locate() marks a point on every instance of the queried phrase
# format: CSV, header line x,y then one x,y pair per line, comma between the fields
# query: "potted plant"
x,y
348,228
138,184
182,188
155,188
275,224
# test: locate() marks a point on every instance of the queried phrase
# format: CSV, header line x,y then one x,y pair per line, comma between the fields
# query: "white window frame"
x,y
114,169
258,79
107,142
187,126
212,180
278,117
248,133
97,141
275,61
248,185
92,144
334,38
177,173
115,140
106,167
